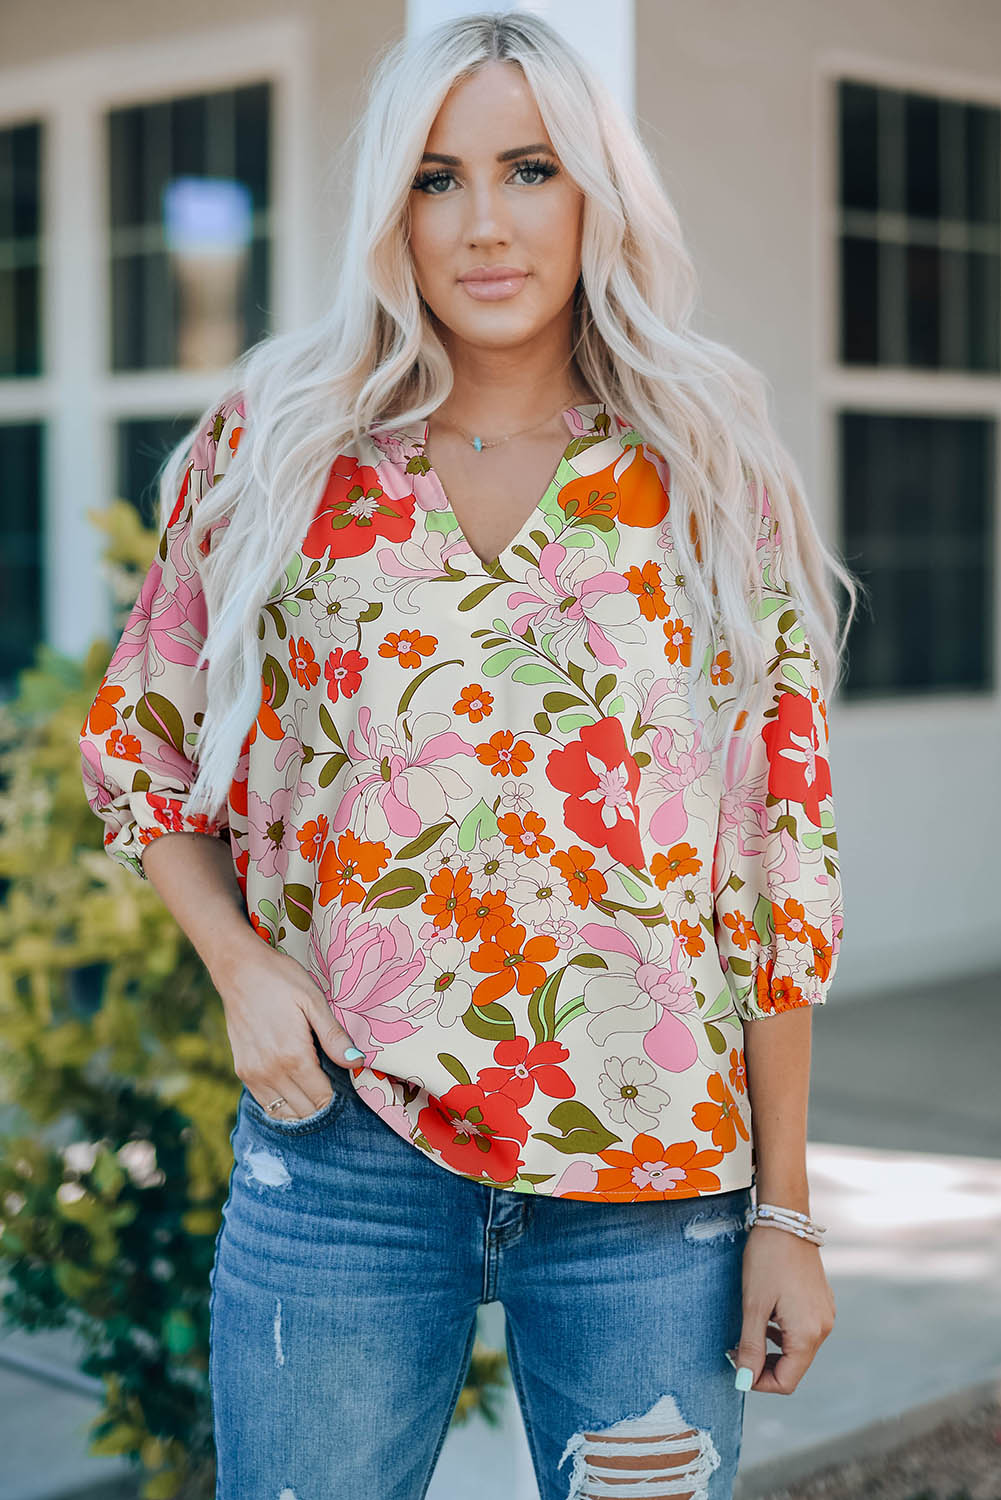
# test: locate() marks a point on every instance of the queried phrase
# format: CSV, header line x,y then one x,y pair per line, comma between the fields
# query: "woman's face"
x,y
491,192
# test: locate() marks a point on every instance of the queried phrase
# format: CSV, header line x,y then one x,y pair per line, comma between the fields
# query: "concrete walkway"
x,y
905,1169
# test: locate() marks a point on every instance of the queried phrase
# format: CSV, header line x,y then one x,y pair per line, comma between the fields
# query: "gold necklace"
x,y
480,443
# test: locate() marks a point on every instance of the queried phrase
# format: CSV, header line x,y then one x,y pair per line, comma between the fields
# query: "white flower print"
x,y
633,1098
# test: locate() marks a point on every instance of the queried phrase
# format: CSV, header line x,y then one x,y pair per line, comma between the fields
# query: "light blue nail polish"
x,y
743,1378
353,1053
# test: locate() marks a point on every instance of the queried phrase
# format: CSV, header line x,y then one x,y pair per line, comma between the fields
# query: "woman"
x,y
526,797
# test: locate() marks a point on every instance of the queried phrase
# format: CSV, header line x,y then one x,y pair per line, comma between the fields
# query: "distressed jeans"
x,y
348,1270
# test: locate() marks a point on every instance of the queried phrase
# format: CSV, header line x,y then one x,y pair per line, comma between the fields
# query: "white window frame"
x,y
904,392
78,399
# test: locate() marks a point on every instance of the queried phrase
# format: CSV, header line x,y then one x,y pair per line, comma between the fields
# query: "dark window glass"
x,y
142,444
920,235
20,250
190,229
918,508
21,482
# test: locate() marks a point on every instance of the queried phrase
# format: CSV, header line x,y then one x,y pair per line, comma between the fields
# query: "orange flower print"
x,y
449,896
691,937
484,916
408,646
721,1118
511,961
741,928
776,994
343,671
505,755
475,701
646,584
312,836
738,1070
345,864
653,1170
823,953
123,746
302,663
790,921
677,642
680,859
585,883
720,672
525,835
102,712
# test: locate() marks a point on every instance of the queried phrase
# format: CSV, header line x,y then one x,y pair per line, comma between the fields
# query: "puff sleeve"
x,y
777,898
136,740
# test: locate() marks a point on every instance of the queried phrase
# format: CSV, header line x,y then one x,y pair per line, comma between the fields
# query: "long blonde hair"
x,y
373,358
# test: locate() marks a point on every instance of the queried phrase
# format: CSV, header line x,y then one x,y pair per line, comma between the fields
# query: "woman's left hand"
x,y
786,1297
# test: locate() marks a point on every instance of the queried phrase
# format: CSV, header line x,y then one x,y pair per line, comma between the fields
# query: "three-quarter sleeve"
x,y
136,740
777,898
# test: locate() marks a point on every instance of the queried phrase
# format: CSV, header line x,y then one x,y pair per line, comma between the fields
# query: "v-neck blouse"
x,y
480,805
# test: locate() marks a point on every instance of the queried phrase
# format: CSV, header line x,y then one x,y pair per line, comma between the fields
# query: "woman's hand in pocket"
x,y
273,1007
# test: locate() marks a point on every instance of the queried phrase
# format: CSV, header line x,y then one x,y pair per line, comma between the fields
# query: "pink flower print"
x,y
402,785
271,831
579,1177
364,966
424,555
575,596
642,990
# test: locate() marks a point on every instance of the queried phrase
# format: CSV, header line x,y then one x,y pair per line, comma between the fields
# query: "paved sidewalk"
x,y
905,1169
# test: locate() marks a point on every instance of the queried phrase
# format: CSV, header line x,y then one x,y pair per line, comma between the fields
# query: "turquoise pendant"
x,y
478,444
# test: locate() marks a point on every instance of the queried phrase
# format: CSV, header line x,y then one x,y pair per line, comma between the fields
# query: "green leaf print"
x,y
157,714
582,1132
479,822
494,665
717,1040
534,672
493,1022
762,919
455,1067
396,888
423,840
542,1007
570,723
553,703
567,1013
298,906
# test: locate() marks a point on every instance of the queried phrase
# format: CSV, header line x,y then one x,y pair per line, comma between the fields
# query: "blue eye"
x,y
429,182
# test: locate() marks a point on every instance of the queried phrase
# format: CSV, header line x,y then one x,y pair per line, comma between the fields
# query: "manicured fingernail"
x,y
729,1354
743,1378
353,1053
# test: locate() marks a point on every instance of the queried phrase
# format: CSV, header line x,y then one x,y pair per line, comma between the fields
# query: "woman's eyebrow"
x,y
456,161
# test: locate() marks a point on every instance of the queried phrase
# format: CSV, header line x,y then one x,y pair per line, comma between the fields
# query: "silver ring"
x,y
276,1102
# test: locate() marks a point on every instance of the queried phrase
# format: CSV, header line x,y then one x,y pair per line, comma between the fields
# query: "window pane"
x,y
190,229
918,509
142,444
920,231
20,548
20,251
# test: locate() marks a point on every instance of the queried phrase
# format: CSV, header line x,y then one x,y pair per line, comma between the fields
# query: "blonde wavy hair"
x,y
373,359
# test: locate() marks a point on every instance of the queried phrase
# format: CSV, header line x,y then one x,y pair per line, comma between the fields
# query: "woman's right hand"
x,y
273,1007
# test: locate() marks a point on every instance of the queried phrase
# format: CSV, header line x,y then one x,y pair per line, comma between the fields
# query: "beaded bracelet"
x,y
785,1218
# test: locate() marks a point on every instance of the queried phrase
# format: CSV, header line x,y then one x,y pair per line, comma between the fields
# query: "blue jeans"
x,y
347,1274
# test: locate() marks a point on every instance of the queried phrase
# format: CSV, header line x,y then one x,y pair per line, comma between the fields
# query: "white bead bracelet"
x,y
785,1218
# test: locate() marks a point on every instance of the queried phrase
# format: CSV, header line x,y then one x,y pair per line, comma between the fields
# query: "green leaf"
x,y
454,1066
424,840
396,888
479,822
159,716
581,1132
299,905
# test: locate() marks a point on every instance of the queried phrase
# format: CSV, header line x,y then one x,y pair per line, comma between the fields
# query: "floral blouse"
x,y
478,805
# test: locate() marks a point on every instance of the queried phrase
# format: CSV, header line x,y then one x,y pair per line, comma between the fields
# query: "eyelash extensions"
x,y
533,164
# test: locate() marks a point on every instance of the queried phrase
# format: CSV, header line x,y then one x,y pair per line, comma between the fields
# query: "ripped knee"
x,y
646,1457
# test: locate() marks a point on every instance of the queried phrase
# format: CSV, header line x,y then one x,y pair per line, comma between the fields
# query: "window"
x,y
919,205
20,546
20,250
190,229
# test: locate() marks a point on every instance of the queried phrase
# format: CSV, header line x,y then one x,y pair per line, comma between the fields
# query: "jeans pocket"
x,y
327,1113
